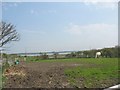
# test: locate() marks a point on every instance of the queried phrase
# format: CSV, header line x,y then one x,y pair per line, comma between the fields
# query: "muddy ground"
x,y
41,75
38,74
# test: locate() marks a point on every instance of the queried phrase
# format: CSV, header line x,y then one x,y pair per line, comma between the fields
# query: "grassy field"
x,y
70,73
0,78
91,71
100,71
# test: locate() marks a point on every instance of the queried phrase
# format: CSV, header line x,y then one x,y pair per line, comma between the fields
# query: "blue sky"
x,y
58,26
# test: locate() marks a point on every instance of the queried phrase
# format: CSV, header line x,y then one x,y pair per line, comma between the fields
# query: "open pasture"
x,y
70,73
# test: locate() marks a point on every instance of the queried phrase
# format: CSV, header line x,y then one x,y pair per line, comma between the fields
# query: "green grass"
x,y
3,78
0,78
79,60
92,71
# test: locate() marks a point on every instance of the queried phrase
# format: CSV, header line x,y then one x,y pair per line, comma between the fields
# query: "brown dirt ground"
x,y
40,75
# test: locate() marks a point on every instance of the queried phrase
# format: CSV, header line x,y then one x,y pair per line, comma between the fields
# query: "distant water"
x,y
39,54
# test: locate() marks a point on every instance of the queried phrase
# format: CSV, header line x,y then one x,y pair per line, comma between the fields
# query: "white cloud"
x,y
14,0
90,28
98,3
15,4
93,35
60,0
102,3
37,12
7,5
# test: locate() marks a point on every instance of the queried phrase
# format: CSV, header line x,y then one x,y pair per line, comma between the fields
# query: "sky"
x,y
62,26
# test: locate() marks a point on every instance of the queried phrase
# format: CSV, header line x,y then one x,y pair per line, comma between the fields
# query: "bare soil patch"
x,y
38,74
46,75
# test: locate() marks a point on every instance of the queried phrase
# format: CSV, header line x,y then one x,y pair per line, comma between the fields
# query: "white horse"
x,y
98,54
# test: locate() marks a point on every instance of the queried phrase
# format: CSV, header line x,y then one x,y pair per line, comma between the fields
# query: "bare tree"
x,y
7,33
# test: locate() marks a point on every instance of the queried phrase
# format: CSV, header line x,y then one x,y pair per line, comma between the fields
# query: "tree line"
x,y
112,52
